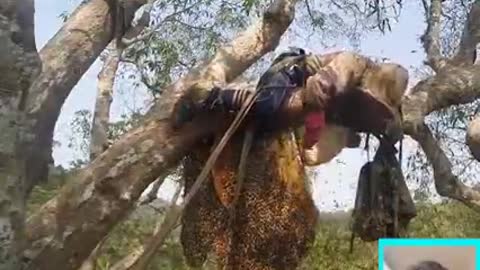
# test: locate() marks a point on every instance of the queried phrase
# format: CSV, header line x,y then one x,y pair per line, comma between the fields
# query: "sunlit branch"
x,y
466,53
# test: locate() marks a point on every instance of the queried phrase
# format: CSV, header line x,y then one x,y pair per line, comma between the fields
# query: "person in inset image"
x,y
428,265
429,257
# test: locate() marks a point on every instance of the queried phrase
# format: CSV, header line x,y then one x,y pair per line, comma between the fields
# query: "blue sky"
x,y
335,181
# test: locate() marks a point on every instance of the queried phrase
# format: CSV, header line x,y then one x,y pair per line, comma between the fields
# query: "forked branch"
x,y
451,86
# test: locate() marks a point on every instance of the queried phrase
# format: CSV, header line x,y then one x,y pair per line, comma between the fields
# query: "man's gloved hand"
x,y
192,102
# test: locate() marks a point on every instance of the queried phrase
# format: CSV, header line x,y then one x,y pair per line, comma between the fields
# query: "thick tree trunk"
x,y
106,81
107,189
66,57
66,230
19,63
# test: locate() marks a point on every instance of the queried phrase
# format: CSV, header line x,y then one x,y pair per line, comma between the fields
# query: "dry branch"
x,y
431,37
466,53
101,116
140,25
152,194
446,183
145,35
107,189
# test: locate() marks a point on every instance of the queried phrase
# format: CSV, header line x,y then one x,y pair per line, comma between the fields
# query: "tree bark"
x,y
107,189
452,85
66,57
19,64
457,81
473,137
68,227
91,262
106,81
431,37
466,53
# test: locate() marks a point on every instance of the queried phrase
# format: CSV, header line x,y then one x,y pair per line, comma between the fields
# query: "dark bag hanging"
x,y
383,205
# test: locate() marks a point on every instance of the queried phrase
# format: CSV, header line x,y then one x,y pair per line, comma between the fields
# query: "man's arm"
x,y
347,69
366,98
367,95
385,81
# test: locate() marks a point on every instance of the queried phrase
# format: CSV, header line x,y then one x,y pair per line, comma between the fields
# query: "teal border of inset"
x,y
428,242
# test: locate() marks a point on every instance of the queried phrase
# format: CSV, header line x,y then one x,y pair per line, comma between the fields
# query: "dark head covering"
x,y
428,265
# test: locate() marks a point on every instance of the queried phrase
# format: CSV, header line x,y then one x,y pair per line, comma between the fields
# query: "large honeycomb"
x,y
275,216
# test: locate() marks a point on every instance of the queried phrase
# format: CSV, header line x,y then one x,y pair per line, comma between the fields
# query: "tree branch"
x,y
66,57
91,262
467,51
431,37
446,183
101,116
450,86
152,195
142,23
150,32
105,191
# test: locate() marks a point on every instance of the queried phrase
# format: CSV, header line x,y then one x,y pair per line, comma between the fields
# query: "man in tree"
x,y
304,89
341,88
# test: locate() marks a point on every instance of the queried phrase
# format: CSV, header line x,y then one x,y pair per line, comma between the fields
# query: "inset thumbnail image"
x,y
433,257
